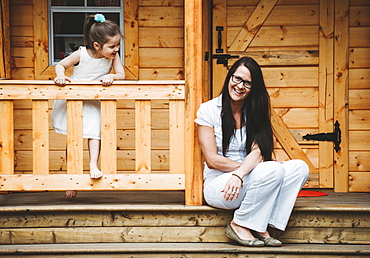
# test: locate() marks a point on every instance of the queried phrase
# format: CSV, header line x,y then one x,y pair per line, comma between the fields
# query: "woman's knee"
x,y
271,170
300,168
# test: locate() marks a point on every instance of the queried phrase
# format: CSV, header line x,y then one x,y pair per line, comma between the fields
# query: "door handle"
x,y
219,39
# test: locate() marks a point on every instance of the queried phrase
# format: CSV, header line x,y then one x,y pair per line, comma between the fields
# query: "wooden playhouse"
x,y
315,56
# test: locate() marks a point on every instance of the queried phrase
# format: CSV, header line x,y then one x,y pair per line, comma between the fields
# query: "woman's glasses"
x,y
236,79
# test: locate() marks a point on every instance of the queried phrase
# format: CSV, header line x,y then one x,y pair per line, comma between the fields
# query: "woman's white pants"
x,y
268,195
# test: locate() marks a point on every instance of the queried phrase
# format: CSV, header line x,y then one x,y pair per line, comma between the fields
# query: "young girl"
x,y
92,62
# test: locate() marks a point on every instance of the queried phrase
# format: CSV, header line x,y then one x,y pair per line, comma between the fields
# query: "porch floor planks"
x,y
167,200
189,248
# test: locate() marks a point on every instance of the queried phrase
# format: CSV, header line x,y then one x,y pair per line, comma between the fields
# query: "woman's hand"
x,y
232,189
107,80
61,80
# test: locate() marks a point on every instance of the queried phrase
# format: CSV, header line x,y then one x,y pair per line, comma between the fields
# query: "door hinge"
x,y
335,137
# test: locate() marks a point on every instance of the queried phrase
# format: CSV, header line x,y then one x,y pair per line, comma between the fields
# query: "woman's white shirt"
x,y
209,114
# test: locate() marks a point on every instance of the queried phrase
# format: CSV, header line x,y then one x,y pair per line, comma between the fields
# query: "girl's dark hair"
x,y
255,112
99,31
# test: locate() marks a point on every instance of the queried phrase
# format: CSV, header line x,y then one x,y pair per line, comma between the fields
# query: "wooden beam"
x,y
4,40
143,139
74,137
326,92
131,38
288,142
252,25
108,136
219,19
63,182
7,137
41,37
341,64
90,90
40,136
177,136
193,98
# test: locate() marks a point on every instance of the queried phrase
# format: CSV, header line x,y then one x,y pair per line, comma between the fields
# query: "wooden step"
x,y
164,250
337,219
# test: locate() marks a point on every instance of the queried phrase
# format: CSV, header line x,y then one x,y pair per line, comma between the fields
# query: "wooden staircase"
x,y
158,224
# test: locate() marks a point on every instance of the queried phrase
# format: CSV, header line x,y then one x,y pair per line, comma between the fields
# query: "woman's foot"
x,y
242,235
95,173
71,193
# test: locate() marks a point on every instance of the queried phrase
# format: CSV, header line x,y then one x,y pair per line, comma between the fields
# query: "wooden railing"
x,y
142,92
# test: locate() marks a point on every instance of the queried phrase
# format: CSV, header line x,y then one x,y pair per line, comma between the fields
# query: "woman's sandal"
x,y
230,233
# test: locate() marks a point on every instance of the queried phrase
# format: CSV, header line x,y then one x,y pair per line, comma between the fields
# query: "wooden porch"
x,y
158,224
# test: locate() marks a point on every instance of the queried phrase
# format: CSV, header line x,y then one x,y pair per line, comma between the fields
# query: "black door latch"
x,y
223,58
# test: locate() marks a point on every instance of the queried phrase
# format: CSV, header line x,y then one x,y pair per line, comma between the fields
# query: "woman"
x,y
236,138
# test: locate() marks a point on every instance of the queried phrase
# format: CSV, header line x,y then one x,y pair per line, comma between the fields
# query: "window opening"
x,y
66,18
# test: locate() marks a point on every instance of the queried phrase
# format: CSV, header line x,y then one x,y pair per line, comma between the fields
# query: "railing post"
x,y
74,137
108,136
193,98
143,137
7,137
40,136
177,136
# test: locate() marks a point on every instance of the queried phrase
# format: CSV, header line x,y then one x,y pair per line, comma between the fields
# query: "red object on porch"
x,y
311,194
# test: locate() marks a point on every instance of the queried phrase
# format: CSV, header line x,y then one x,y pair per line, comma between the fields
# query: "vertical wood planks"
x,y
74,137
5,71
7,137
131,42
326,91
40,11
219,19
108,136
143,136
193,98
341,64
177,136
40,136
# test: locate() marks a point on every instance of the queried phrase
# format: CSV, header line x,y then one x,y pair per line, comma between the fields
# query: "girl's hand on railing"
x,y
107,80
61,80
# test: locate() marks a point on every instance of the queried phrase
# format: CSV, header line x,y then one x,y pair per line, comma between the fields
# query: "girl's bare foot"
x,y
95,173
71,193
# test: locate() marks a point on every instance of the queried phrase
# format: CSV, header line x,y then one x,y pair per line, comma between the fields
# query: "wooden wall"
x,y
161,56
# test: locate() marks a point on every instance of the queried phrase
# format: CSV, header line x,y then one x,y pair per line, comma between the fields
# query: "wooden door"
x,y
292,40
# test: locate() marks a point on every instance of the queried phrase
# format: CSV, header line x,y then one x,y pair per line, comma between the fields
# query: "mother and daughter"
x,y
235,136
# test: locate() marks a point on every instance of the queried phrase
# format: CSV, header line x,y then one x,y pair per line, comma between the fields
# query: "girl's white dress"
x,y
88,69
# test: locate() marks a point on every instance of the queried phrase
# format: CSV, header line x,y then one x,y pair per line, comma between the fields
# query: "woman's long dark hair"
x,y
256,111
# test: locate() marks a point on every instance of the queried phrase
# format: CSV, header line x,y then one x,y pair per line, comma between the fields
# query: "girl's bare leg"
x,y
94,151
70,193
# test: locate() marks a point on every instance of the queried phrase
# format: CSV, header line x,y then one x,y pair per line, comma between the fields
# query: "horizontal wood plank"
x,y
170,235
359,181
291,76
166,16
90,90
84,182
280,36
